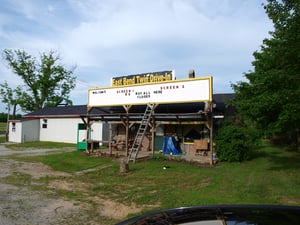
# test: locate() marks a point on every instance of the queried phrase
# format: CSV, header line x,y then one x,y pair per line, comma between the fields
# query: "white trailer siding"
x,y
30,130
59,129
15,131
65,130
23,131
56,129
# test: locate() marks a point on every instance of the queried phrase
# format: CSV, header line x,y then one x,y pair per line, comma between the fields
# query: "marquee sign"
x,y
176,91
143,78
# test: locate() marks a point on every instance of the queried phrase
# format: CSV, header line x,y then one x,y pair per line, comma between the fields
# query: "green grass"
x,y
2,139
2,128
2,132
41,144
70,161
271,177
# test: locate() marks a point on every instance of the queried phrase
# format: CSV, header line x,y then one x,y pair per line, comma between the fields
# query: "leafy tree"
x,y
46,82
10,97
270,98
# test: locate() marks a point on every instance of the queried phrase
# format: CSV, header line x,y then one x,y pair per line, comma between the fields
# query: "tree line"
x,y
268,103
5,116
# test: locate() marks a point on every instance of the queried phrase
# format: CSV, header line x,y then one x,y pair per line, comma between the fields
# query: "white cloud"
x,y
118,37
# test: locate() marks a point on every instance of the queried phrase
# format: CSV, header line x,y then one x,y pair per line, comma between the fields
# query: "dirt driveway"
x,y
22,203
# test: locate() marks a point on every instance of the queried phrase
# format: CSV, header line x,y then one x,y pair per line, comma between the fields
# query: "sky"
x,y
111,38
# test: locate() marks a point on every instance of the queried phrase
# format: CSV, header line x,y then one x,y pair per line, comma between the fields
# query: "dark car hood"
x,y
221,215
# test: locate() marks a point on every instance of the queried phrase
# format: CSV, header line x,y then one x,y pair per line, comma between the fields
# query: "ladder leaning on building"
x,y
137,143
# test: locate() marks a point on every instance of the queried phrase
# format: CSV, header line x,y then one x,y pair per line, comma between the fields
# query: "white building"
x,y
108,124
57,124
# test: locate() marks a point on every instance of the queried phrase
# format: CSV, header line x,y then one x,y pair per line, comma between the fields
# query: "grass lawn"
x,y
70,161
41,144
2,128
272,177
2,132
2,139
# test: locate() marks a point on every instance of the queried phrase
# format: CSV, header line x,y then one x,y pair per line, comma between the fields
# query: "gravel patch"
x,y
21,204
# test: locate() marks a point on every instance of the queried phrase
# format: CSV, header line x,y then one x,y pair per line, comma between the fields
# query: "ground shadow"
x,y
280,158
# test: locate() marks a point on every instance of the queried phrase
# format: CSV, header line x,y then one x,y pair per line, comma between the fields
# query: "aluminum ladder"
x,y
137,143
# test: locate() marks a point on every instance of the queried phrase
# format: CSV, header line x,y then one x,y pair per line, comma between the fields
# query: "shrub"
x,y
235,139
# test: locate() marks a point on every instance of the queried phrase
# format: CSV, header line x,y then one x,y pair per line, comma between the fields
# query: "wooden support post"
x,y
211,142
153,129
211,122
126,136
126,124
124,167
110,139
88,131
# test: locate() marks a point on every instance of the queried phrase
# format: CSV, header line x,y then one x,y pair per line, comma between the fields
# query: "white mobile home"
x,y
57,124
